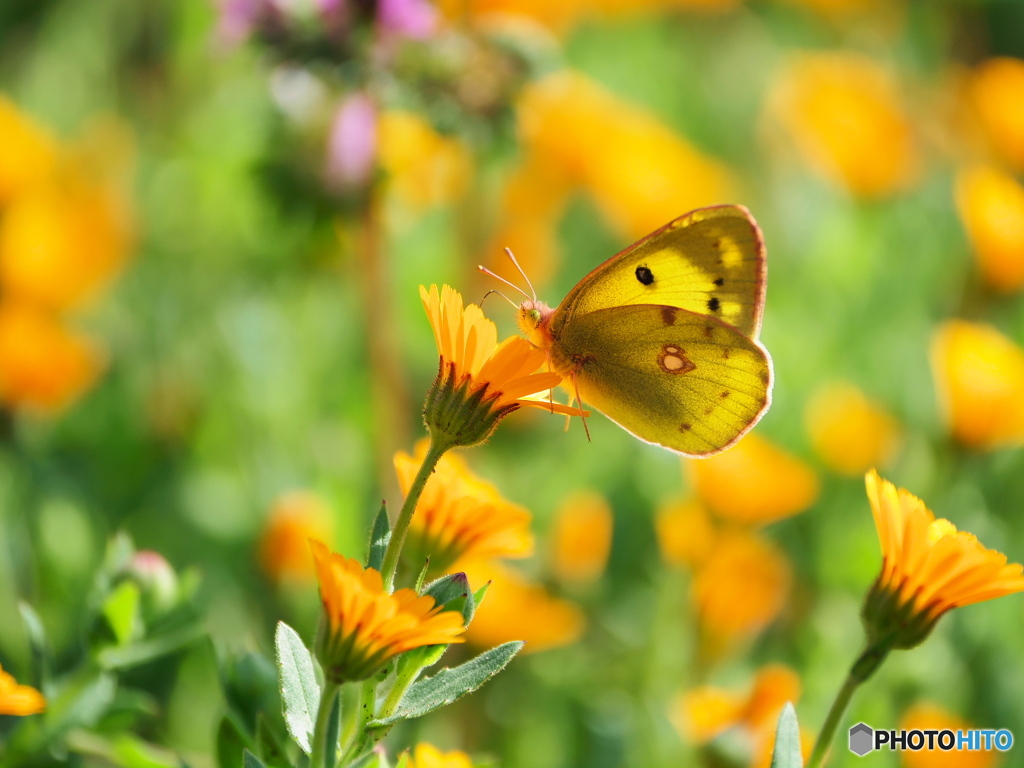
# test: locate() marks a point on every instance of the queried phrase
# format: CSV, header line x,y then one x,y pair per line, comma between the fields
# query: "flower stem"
x,y
835,714
390,564
318,752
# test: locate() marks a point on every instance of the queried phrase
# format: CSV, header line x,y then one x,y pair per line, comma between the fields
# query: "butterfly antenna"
x,y
522,272
506,298
486,271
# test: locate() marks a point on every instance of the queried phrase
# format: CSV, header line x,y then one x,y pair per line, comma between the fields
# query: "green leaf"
x,y
37,642
249,760
380,537
270,750
300,693
121,609
230,744
123,657
787,741
449,685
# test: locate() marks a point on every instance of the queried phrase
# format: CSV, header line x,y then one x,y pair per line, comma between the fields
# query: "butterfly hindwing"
x,y
680,379
710,261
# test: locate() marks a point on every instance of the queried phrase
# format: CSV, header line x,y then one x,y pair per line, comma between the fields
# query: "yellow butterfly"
x,y
662,337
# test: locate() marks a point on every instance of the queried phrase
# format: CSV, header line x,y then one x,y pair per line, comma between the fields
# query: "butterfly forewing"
x,y
710,261
680,379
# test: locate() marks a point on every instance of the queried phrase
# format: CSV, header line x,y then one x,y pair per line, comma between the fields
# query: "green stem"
x,y
367,707
318,754
835,715
390,564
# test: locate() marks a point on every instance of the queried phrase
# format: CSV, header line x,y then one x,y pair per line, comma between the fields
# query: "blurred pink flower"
x,y
414,19
237,19
352,145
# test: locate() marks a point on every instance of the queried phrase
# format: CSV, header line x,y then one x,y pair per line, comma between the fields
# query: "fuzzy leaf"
x,y
300,692
449,685
380,537
787,741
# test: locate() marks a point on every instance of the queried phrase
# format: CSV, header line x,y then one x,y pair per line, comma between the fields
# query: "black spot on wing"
x,y
719,281
644,275
714,304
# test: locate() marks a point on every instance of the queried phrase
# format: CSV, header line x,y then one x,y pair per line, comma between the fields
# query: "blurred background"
x,y
214,219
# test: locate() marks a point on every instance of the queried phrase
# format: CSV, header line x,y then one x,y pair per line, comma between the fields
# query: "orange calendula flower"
x,y
43,365
460,515
295,518
19,699
429,756
706,712
775,484
363,625
996,87
479,381
516,609
844,115
929,717
849,432
582,538
928,568
979,375
686,533
741,587
991,205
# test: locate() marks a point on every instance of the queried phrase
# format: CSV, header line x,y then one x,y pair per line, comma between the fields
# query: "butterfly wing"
x,y
680,379
710,261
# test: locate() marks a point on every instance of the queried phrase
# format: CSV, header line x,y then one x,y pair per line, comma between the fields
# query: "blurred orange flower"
x,y
849,432
991,205
43,364
685,532
517,609
19,699
460,515
741,587
363,625
754,482
925,717
582,538
979,376
844,114
295,518
29,152
706,712
996,87
423,167
576,135
61,242
429,756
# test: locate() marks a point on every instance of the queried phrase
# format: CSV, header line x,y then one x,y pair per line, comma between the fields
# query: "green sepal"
x,y
380,537
300,692
454,594
449,685
787,753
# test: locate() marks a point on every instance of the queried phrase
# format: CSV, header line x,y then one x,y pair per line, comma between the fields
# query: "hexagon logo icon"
x,y
862,739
